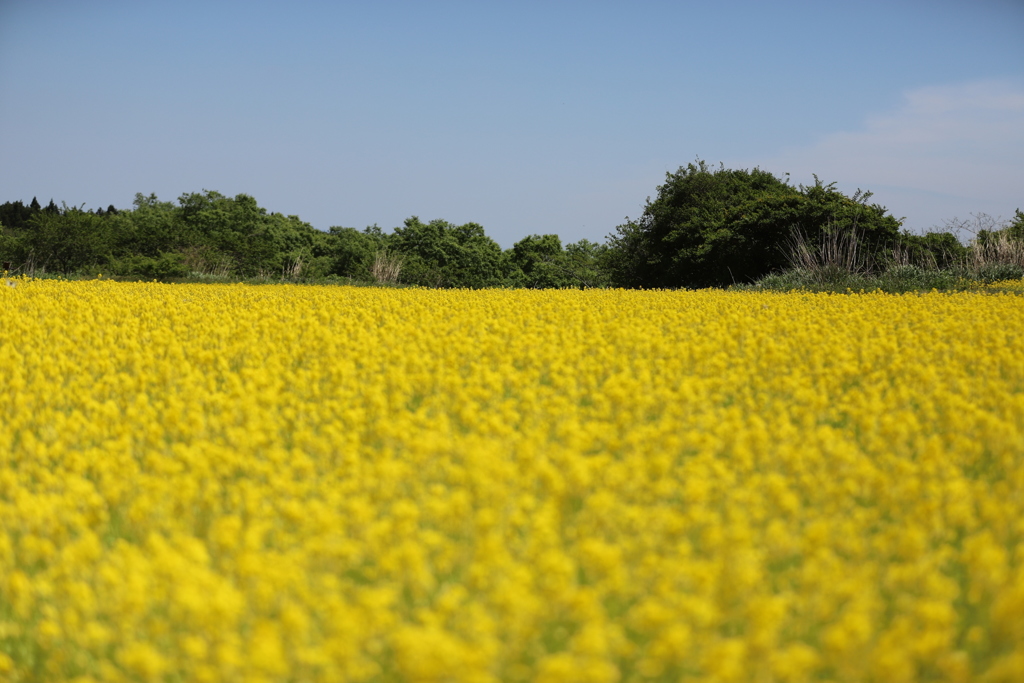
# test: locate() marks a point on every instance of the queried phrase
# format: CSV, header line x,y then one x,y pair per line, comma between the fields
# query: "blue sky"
x,y
525,117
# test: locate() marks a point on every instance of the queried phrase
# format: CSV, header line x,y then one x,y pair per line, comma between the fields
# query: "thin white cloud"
x,y
947,151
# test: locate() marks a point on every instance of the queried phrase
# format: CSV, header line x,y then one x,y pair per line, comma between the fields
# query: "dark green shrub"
x,y
161,267
930,250
995,272
715,227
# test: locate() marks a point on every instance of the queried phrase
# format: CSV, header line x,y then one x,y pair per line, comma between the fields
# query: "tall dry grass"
x,y
836,255
387,266
998,249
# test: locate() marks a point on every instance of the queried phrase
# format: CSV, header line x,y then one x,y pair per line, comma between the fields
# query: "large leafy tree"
x,y
585,263
205,232
67,239
152,227
441,254
16,215
352,252
235,227
1016,227
248,239
14,232
716,226
932,249
539,262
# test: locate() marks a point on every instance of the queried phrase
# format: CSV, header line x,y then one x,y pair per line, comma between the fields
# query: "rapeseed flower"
x,y
224,483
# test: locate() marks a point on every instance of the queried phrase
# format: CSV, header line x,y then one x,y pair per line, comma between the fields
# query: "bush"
x,y
162,267
715,227
930,250
997,272
916,278
441,254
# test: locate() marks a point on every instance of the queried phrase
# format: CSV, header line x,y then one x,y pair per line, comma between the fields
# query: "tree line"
x,y
705,227
207,234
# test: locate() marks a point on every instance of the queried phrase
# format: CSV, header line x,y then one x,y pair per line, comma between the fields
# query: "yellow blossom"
x,y
230,482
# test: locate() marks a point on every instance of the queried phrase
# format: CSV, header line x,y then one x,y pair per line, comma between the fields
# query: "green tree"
x,y
539,262
153,228
1016,227
67,240
205,232
352,252
441,254
299,249
14,233
713,227
585,262
15,215
148,240
930,250
235,229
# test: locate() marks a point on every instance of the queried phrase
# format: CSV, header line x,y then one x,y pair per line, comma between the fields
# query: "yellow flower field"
x,y
285,483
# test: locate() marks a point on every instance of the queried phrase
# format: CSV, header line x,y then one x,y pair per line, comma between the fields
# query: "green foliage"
x,y
706,227
585,262
715,227
218,235
14,232
352,252
998,271
917,263
538,262
209,236
906,278
151,228
66,239
205,234
990,231
997,251
895,279
236,227
12,248
297,248
162,267
829,279
15,215
441,254
1016,227
931,250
